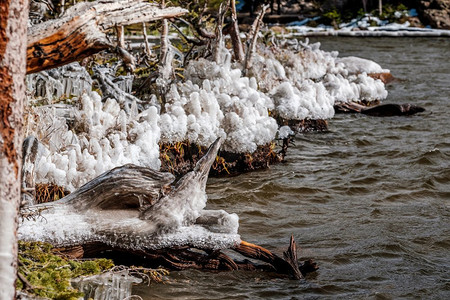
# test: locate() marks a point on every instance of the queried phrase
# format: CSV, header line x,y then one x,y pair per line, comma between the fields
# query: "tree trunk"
x,y
81,31
13,28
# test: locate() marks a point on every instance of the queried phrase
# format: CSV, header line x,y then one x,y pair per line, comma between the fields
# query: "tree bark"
x,y
81,31
13,27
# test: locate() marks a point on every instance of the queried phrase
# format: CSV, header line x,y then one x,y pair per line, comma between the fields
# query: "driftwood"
x,y
238,48
382,110
147,216
288,265
384,77
183,258
81,31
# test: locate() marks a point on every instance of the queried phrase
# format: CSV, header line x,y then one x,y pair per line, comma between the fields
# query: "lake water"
x,y
369,200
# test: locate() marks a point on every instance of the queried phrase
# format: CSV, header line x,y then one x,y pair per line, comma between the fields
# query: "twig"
x,y
148,51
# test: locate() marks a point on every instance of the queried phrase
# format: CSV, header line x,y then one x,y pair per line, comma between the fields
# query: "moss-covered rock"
x,y
45,274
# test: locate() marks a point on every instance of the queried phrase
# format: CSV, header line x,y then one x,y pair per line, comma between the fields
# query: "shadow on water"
x,y
369,200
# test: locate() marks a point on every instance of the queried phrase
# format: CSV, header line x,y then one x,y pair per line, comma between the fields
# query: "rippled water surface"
x,y
368,200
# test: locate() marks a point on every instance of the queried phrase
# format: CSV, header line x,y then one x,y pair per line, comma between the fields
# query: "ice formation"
x,y
62,226
311,101
284,132
102,137
69,80
217,101
106,286
363,26
305,82
356,65
296,81
176,219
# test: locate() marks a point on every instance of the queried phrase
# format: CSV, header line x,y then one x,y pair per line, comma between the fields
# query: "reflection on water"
x,y
369,200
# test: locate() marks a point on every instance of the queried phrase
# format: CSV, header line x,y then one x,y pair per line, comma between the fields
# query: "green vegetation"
x,y
389,13
45,274
332,17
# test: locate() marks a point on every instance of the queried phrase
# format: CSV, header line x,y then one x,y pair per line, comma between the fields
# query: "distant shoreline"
x,y
409,32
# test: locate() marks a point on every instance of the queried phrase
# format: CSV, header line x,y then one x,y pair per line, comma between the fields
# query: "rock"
x,y
384,77
436,13
415,22
438,18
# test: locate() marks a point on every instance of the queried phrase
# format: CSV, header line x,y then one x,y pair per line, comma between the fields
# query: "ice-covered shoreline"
x,y
293,81
302,31
366,26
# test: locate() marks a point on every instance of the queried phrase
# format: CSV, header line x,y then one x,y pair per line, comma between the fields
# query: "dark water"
x,y
369,200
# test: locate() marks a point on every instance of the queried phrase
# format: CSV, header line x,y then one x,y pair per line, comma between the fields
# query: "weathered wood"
x,y
137,211
136,207
289,266
13,26
183,258
254,37
390,109
81,31
147,49
382,110
238,48
290,256
384,77
126,186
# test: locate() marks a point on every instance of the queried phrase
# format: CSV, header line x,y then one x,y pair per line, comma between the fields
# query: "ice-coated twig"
x,y
111,90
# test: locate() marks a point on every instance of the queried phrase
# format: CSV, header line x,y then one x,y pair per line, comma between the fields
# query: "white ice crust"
x,y
356,65
61,226
107,138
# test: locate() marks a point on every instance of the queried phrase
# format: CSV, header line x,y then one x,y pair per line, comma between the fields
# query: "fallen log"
x,y
148,217
382,110
389,109
187,257
81,31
